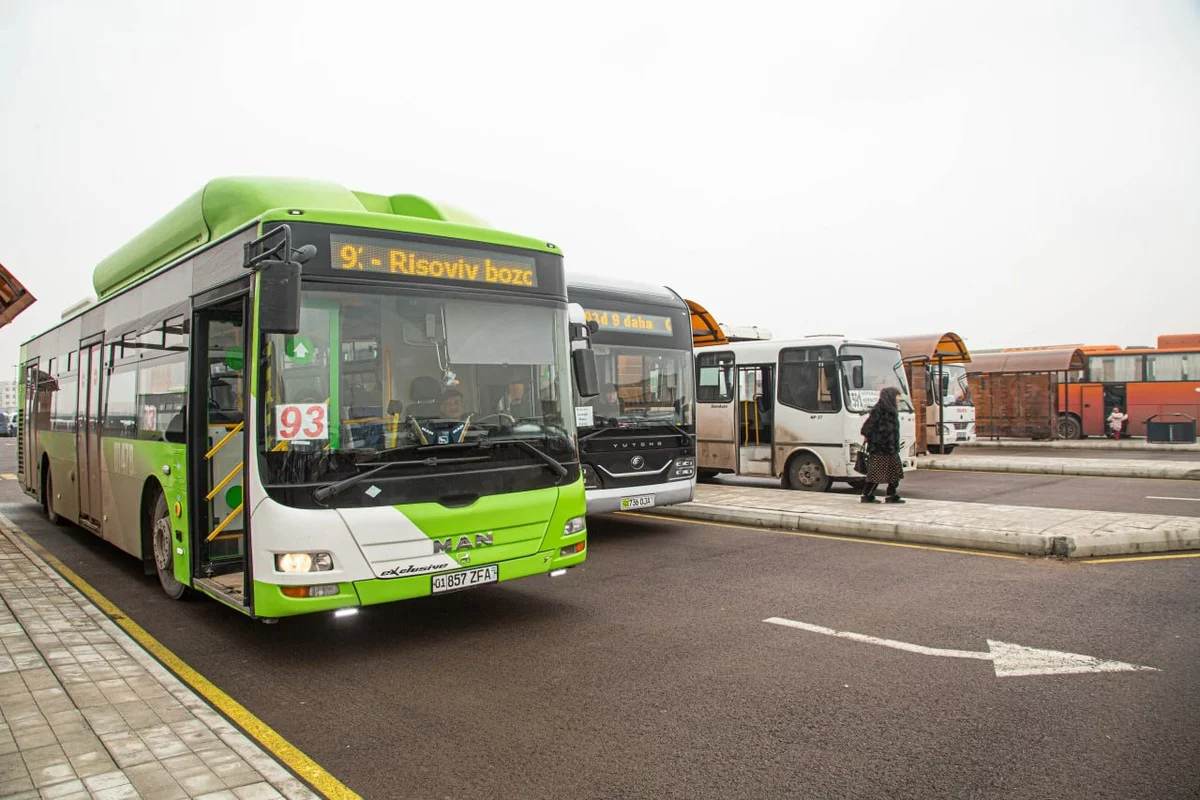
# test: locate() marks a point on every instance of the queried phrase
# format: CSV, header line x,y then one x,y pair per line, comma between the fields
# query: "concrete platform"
x,y
1007,529
88,713
1086,444
1093,467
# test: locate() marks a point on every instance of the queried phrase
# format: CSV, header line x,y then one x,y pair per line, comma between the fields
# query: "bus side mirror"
x,y
278,266
583,364
945,385
279,298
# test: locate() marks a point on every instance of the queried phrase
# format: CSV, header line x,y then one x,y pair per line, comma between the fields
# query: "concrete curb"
x,y
1085,444
1131,534
1095,468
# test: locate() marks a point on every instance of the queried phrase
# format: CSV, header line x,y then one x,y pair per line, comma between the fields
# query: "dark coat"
x,y
882,430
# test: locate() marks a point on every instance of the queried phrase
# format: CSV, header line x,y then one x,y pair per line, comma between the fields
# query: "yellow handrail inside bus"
x,y
224,481
225,522
216,447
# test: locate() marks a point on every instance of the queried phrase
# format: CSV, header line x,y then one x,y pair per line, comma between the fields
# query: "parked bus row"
x,y
296,398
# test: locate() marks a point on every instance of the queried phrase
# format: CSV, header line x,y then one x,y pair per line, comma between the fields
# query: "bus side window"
x,y
808,379
714,378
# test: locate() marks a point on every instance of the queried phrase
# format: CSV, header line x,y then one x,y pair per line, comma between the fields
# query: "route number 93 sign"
x,y
302,422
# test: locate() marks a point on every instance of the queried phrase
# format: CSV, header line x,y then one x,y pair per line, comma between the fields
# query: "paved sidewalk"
x,y
977,526
1085,444
1089,467
86,712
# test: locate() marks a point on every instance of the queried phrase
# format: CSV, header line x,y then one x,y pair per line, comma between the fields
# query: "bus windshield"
x,y
642,385
954,381
376,376
879,368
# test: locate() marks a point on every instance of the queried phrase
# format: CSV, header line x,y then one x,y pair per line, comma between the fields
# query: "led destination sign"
x,y
624,322
454,264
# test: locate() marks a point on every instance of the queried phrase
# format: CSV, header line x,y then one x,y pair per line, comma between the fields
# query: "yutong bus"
x,y
637,437
291,439
794,409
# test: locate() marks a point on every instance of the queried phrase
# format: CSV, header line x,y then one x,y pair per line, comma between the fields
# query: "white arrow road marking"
x,y
1008,660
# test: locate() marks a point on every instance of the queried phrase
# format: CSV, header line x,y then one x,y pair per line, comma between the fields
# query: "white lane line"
x,y
1185,499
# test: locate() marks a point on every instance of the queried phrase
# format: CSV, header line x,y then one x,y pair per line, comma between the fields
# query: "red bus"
x,y
1141,381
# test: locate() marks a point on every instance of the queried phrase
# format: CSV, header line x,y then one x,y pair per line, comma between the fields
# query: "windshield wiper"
x,y
552,463
323,493
664,422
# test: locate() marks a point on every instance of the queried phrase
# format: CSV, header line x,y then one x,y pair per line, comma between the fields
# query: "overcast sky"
x,y
1020,172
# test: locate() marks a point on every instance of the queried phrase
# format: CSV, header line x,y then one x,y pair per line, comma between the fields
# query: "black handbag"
x,y
860,460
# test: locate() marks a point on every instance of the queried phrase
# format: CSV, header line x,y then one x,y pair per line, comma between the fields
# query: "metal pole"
x,y
941,407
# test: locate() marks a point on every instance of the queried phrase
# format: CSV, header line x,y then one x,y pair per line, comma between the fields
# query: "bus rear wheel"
x,y
807,474
1069,427
164,558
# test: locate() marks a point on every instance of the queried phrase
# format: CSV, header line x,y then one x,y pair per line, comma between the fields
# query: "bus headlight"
x,y
684,468
590,481
574,525
303,562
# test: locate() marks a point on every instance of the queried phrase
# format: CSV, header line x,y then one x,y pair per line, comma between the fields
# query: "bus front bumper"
x,y
270,602
604,501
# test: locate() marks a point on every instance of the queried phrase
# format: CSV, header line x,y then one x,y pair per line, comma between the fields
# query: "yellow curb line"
x,y
256,729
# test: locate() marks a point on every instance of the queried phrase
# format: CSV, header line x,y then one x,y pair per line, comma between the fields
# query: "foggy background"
x,y
1020,173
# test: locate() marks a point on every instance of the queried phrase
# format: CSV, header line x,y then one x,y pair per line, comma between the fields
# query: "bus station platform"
x,y
85,712
1089,467
1020,530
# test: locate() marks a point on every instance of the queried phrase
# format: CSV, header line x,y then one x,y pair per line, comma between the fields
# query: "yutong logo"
x,y
637,462
463,543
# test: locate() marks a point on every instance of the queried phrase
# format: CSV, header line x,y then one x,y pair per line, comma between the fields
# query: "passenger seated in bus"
x,y
608,403
516,402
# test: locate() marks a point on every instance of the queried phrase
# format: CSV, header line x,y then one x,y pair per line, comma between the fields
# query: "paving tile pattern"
x,y
85,712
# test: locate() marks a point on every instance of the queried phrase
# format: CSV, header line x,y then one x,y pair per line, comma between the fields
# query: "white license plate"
x,y
465,578
639,501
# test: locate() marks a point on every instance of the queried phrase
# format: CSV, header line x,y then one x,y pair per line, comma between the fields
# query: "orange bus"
x,y
1143,382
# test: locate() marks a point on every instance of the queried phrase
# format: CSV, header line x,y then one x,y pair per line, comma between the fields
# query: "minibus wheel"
x,y
805,472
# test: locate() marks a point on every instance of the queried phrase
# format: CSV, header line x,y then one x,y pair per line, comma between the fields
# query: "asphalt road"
x,y
648,672
1134,495
1065,452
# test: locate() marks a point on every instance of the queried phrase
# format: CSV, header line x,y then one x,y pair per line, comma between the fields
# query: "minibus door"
x,y
756,420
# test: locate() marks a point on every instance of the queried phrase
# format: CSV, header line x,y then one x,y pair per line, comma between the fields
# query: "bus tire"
x,y
948,449
935,449
705,475
1069,427
52,516
806,473
158,522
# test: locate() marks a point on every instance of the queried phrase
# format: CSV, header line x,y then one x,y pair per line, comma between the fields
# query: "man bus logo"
x,y
463,543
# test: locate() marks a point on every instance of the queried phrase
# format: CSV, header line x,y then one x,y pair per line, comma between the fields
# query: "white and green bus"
x,y
297,398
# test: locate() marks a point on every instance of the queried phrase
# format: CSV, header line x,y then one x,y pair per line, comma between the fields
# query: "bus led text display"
x,y
630,323
455,264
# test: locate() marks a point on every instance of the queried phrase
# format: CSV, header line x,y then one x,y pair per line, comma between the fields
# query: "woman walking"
x,y
882,432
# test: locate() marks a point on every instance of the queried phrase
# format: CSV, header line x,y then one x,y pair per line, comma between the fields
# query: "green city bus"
x,y
296,398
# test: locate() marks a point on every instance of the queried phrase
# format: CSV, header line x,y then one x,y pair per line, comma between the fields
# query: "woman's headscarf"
x,y
888,399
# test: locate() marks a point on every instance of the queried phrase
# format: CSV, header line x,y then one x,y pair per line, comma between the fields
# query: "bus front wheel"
x,y
164,558
806,473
